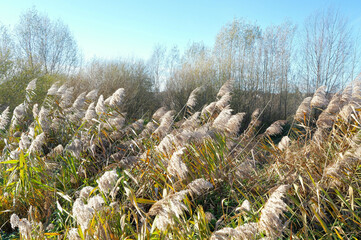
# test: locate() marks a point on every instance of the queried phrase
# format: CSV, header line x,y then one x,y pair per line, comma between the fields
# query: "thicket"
x,y
72,168
273,67
236,141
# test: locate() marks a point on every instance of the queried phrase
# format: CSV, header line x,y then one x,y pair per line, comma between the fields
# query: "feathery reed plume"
x,y
247,231
224,101
75,147
234,123
53,89
343,164
346,112
253,125
176,166
107,101
117,98
334,105
82,213
61,90
117,122
15,154
37,143
226,233
14,220
56,151
276,128
159,113
44,119
23,224
100,107
90,113
35,110
66,98
31,131
19,112
4,118
192,100
138,125
226,88
96,203
107,182
319,99
149,129
270,221
222,119
182,137
304,110
31,85
166,145
346,95
165,124
73,234
246,206
85,192
284,143
200,134
356,94
76,115
24,142
209,109
192,122
325,120
255,114
92,95
79,101
166,208
199,186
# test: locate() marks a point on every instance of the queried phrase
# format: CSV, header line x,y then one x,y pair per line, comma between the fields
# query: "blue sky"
x,y
112,29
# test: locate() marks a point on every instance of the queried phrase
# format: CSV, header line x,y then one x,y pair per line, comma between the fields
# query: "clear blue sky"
x,y
112,29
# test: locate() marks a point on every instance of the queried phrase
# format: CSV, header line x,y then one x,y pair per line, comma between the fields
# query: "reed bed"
x,y
75,167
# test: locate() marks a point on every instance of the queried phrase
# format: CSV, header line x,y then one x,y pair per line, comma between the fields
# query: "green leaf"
x,y
10,162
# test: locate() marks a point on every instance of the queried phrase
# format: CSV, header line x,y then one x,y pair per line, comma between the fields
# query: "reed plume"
x,y
319,99
227,87
176,166
276,128
303,111
221,121
4,118
92,95
100,107
234,124
270,220
192,99
53,89
31,85
165,209
79,102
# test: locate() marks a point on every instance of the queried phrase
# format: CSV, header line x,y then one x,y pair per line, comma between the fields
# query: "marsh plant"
x,y
75,167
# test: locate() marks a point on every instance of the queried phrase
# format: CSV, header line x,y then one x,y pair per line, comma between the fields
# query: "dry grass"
x,y
78,169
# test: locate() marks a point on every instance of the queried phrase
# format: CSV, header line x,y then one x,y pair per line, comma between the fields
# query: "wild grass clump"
x,y
75,167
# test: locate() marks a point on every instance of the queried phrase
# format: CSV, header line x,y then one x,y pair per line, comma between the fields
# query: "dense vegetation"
x,y
274,67
254,138
73,167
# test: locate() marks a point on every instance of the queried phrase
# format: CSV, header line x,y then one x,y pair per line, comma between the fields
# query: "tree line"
x,y
272,68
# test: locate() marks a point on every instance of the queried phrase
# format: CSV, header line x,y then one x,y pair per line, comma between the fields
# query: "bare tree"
x,y
46,44
6,54
327,50
157,65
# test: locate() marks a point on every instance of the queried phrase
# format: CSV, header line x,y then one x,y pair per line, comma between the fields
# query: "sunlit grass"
x,y
79,172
